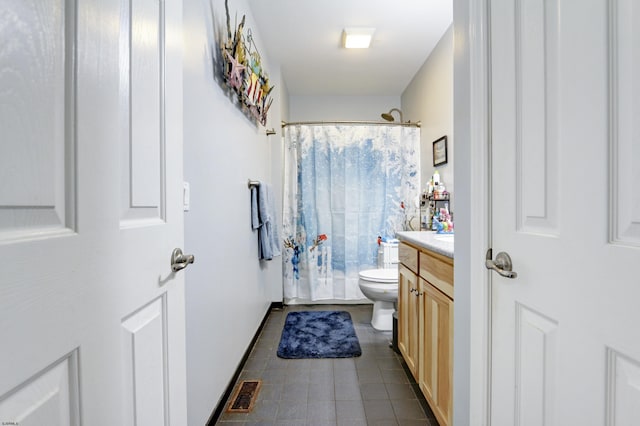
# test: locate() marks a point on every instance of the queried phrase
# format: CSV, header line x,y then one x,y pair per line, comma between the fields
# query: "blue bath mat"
x,y
318,334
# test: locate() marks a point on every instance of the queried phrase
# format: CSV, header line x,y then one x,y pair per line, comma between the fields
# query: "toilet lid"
x,y
380,275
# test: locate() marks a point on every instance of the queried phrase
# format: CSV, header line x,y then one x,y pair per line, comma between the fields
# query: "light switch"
x,y
186,195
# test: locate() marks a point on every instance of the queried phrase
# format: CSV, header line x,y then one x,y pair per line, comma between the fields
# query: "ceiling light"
x,y
357,38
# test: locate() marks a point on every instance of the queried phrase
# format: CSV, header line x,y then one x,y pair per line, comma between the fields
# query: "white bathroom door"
x,y
566,208
91,314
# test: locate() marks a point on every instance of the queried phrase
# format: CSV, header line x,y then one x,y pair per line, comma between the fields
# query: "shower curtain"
x,y
345,186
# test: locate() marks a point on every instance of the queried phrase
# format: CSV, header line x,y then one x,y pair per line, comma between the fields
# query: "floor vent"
x,y
245,396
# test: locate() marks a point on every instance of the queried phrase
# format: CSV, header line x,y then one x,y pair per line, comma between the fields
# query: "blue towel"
x,y
266,223
255,220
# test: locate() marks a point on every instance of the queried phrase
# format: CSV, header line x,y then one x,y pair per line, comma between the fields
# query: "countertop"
x,y
439,243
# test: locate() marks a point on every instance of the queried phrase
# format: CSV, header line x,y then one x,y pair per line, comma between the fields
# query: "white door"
x,y
566,208
91,314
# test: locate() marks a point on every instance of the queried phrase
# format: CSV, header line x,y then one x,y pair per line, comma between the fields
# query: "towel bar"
x,y
252,183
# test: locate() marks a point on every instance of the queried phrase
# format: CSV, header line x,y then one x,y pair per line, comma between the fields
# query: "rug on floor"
x,y
318,334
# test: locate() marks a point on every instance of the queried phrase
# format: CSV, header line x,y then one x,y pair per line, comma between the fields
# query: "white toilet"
x,y
381,286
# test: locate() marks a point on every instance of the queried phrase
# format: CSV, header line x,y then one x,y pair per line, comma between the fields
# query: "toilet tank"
x,y
388,255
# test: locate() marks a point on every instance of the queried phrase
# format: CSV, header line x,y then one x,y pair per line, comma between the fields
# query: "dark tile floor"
x,y
373,389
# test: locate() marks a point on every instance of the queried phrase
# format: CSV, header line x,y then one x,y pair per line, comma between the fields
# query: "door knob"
x,y
502,265
180,260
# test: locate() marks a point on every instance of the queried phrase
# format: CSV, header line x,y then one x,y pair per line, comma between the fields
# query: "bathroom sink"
x,y
448,238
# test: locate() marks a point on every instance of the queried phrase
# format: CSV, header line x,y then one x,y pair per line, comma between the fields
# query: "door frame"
x,y
472,295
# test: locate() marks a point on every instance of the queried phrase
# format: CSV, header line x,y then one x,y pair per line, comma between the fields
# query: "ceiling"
x,y
305,36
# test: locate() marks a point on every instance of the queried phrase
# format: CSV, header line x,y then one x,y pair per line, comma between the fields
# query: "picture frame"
x,y
440,151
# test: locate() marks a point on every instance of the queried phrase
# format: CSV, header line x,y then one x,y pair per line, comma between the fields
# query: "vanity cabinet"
x,y
425,326
408,317
408,306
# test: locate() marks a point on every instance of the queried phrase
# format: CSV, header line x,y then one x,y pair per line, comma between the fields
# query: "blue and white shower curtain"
x,y
345,185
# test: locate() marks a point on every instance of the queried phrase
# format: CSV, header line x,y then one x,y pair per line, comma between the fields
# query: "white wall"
x,y
429,99
228,291
338,108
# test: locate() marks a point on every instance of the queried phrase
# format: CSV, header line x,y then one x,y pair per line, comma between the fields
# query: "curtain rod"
x,y
378,123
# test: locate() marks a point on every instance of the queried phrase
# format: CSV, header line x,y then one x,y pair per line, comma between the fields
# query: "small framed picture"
x,y
440,151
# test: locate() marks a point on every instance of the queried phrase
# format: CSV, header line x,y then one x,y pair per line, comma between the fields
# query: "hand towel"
x,y
268,238
255,220
274,234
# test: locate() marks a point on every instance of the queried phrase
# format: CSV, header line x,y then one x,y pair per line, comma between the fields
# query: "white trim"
x,y
472,177
481,196
297,301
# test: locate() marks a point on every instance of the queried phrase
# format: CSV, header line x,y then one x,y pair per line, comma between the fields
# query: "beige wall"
x,y
429,99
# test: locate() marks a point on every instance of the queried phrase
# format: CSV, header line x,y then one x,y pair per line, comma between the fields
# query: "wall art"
x,y
440,151
243,71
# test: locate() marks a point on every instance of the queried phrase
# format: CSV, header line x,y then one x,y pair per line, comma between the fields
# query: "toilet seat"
x,y
385,276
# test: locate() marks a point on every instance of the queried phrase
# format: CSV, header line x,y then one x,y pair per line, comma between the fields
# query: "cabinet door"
x,y
408,318
436,357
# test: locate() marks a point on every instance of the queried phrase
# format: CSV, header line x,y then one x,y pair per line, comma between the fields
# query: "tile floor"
x,y
373,389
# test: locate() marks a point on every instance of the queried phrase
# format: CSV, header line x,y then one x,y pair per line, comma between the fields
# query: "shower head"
x,y
387,115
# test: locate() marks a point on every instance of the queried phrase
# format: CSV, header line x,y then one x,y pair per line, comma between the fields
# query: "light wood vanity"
x,y
425,318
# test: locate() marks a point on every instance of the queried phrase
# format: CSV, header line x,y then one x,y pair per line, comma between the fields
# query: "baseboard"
x,y
297,301
418,393
217,412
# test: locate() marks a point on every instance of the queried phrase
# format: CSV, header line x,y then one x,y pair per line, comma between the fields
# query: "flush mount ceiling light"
x,y
357,38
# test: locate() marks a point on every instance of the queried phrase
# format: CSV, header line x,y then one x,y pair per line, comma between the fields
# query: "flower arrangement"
x,y
407,218
292,244
243,71
318,241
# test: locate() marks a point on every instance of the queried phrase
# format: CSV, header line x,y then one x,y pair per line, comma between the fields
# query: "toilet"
x,y
381,286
